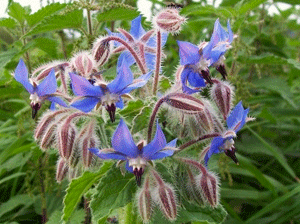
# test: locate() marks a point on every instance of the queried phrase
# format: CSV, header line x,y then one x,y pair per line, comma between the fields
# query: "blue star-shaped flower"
x,y
235,121
138,38
109,95
197,60
38,92
136,157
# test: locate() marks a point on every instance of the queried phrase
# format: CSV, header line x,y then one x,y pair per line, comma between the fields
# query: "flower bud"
x,y
208,183
48,138
61,170
222,93
145,202
87,155
169,20
83,63
66,139
167,201
101,51
184,103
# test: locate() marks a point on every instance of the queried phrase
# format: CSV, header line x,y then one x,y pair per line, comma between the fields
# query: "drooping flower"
x,y
225,143
109,95
136,156
38,92
139,40
197,59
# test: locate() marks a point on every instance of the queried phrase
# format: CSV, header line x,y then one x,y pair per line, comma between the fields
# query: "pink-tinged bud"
x,y
87,156
61,170
101,51
184,103
44,70
45,121
166,199
145,202
169,20
66,139
48,138
193,188
84,63
209,185
222,93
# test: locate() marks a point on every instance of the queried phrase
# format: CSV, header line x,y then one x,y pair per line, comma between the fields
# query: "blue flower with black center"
x,y
197,59
108,95
136,156
38,92
235,121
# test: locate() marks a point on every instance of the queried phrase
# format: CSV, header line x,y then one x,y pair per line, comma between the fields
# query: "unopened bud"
x,y
169,20
83,63
101,51
61,170
145,202
66,139
208,183
222,93
48,137
87,155
166,199
184,103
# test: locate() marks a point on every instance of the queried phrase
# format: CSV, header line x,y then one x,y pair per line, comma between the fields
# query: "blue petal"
x,y
217,52
157,144
21,75
122,141
129,168
120,104
150,61
137,83
172,143
48,85
82,87
57,100
189,53
220,32
243,121
137,30
195,79
184,77
216,143
162,154
52,106
86,104
111,155
230,34
123,79
236,116
128,58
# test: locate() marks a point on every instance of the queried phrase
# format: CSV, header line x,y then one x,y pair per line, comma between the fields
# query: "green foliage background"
x,y
263,65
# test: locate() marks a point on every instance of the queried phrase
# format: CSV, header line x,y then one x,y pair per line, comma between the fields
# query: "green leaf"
x,y
292,2
141,120
113,191
117,14
6,57
14,202
195,9
80,186
276,153
58,22
245,194
271,206
269,59
132,109
16,11
44,12
8,23
11,177
46,44
250,5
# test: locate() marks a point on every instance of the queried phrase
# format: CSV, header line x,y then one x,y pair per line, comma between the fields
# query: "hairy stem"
x,y
87,218
131,50
152,118
201,138
89,22
43,192
158,62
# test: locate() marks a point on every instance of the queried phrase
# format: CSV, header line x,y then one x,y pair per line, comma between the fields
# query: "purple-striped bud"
x,y
48,138
184,103
145,202
209,185
61,170
169,20
66,139
87,156
193,188
166,199
101,51
84,63
222,93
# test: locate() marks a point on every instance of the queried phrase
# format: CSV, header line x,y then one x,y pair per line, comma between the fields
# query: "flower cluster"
x,y
77,123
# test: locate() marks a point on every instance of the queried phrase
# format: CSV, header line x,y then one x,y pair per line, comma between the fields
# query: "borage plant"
x,y
166,174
